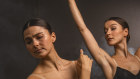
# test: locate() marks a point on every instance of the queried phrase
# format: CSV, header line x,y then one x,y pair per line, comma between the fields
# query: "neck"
x,y
52,60
121,49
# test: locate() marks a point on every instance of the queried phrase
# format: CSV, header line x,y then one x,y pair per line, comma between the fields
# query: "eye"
x,y
39,36
113,28
28,41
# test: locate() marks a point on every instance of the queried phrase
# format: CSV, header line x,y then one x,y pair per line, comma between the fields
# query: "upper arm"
x,y
109,66
138,52
101,56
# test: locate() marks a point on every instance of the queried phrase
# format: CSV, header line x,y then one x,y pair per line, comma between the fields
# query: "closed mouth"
x,y
109,39
38,50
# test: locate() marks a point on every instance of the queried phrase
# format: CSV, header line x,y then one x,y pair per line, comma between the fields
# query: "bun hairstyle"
x,y
37,22
122,22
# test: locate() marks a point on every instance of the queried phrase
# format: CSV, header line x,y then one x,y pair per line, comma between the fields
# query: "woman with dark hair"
x,y
122,65
39,39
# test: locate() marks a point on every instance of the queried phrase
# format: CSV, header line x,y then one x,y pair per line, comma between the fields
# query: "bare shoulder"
x,y
33,77
138,52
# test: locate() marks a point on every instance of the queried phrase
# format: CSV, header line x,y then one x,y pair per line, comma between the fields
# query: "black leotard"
x,y
125,74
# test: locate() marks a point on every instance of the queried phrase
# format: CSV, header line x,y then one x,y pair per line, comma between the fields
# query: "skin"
x,y
39,43
138,53
83,66
115,36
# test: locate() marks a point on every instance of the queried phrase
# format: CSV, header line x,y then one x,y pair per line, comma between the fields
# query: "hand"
x,y
83,65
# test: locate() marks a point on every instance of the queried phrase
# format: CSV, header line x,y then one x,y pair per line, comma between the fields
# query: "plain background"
x,y
17,63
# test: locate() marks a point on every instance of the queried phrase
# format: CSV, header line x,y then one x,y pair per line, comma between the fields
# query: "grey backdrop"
x,y
15,60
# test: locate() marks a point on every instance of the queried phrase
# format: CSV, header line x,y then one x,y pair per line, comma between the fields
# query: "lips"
x,y
38,51
109,39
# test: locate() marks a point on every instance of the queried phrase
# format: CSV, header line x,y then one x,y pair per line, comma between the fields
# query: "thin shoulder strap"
x,y
115,61
37,75
137,58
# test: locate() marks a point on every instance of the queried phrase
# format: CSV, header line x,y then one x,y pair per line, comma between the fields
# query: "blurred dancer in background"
x,y
122,65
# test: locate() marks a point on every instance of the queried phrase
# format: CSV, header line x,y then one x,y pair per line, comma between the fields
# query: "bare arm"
x,y
83,66
138,52
101,57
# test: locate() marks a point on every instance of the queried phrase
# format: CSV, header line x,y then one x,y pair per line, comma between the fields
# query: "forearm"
x,y
85,74
85,32
76,15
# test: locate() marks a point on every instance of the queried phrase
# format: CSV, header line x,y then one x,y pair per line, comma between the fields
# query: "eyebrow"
x,y
110,25
33,35
37,34
113,24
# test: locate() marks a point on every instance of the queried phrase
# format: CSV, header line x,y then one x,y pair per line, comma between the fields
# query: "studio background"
x,y
17,63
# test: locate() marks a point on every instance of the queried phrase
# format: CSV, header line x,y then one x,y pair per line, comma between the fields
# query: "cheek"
x,y
29,47
116,33
119,35
46,42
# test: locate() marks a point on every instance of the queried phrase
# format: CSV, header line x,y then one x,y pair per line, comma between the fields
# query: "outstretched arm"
x,y
101,57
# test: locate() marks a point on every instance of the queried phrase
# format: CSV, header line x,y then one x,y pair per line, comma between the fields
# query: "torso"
x,y
125,74
127,68
68,71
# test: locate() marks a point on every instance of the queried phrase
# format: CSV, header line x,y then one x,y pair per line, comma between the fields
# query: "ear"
x,y
126,32
53,37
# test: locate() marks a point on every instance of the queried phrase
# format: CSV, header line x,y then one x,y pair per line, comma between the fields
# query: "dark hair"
x,y
122,22
37,22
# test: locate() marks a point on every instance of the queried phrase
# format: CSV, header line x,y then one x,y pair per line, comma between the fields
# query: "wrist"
x,y
86,68
71,1
85,74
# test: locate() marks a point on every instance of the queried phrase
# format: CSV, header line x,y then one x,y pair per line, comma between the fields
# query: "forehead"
x,y
111,23
34,30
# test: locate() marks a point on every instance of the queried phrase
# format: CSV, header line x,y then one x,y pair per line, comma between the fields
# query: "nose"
x,y
108,32
35,43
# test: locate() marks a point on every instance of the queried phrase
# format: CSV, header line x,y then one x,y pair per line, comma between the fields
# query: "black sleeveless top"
x,y
125,74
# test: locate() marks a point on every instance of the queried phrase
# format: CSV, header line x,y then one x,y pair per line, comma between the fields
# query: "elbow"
x,y
83,29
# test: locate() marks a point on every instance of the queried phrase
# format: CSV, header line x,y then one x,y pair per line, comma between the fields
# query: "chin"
x,y
44,55
41,55
110,43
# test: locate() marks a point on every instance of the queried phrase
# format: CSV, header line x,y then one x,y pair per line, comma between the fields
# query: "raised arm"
x,y
138,52
101,57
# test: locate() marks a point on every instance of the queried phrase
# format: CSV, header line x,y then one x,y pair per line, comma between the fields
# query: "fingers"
x,y
84,62
81,52
82,55
84,58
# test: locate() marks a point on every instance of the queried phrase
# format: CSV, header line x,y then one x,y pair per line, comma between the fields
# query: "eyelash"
x,y
39,37
113,28
29,42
